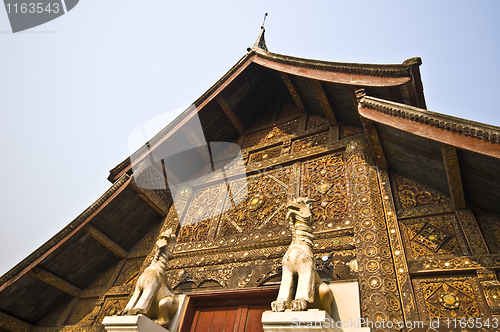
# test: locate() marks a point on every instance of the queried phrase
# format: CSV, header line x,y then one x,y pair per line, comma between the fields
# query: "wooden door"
x,y
227,311
242,318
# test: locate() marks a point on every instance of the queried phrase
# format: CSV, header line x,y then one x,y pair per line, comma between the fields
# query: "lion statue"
x,y
152,296
301,287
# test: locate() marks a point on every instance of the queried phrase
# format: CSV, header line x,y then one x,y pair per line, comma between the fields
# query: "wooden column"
x,y
405,286
380,299
453,174
323,100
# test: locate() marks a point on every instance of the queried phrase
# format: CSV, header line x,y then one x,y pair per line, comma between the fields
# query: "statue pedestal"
x,y
312,320
137,323
141,323
346,314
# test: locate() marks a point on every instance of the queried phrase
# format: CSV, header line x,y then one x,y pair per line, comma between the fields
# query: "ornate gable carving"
x,y
413,199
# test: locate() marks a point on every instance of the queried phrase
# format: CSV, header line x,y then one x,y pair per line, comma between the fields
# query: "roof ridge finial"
x,y
263,22
260,42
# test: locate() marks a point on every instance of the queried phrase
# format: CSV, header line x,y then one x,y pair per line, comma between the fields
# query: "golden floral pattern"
x,y
323,181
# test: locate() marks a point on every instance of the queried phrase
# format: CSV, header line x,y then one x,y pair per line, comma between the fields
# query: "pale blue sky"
x,y
73,89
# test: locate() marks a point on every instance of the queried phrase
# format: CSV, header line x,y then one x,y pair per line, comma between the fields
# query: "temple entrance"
x,y
228,311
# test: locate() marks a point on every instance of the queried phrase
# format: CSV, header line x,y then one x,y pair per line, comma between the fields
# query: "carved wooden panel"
x,y
378,283
262,205
310,142
490,228
323,180
146,244
202,213
449,297
347,131
272,134
112,305
287,112
429,236
130,272
152,179
314,121
413,199
83,311
266,154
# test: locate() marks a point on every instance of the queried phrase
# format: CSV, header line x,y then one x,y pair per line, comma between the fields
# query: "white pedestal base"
x,y
312,320
137,323
346,314
140,323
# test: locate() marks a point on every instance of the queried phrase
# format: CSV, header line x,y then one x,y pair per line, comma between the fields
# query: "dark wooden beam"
x,y
452,167
234,120
105,241
54,281
395,94
150,197
292,90
374,141
325,105
13,324
199,145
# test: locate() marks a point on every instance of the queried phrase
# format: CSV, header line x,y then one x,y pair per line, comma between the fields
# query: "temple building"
x,y
404,202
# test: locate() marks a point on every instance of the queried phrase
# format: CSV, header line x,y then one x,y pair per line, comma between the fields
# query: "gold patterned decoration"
x,y
323,181
202,213
314,121
398,251
377,274
472,233
310,142
413,199
347,131
152,179
455,263
130,272
105,279
273,134
112,306
84,309
255,250
288,111
265,155
262,204
449,297
492,294
428,236
490,228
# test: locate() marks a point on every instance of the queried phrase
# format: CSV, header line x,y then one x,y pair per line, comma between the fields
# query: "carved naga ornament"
x,y
152,296
301,287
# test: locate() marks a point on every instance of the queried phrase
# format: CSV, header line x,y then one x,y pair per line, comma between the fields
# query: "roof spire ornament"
x,y
260,42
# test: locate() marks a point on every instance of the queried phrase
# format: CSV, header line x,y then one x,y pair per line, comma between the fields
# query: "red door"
x,y
228,311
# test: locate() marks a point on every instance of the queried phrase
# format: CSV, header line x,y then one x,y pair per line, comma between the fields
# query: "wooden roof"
x,y
421,145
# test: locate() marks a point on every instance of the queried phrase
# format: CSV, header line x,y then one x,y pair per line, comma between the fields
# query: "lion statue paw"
x,y
278,305
299,305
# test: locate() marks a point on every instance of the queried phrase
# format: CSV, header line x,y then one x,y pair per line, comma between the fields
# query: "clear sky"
x,y
73,89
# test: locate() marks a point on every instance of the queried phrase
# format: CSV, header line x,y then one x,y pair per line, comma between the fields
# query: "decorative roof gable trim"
x,y
444,122
395,70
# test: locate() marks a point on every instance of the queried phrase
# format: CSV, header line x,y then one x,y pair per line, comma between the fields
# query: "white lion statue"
x,y
152,296
301,287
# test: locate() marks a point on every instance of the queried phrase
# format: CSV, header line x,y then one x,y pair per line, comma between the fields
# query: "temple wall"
x,y
414,256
